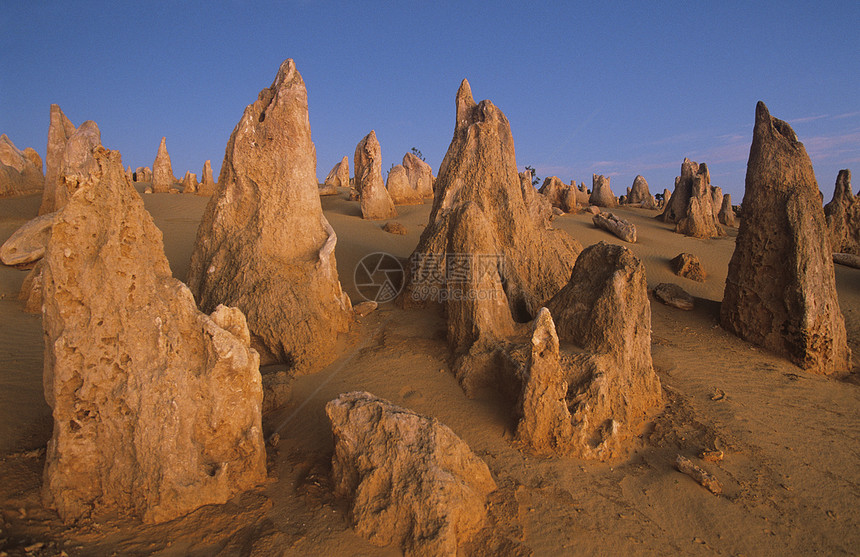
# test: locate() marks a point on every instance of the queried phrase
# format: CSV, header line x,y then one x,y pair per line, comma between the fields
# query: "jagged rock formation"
x,y
589,403
207,186
842,215
726,215
614,225
162,172
400,189
601,193
559,194
497,265
639,194
27,244
143,174
410,480
780,291
338,177
60,130
687,265
156,406
691,205
20,171
189,182
264,244
667,197
76,163
376,204
420,175
539,208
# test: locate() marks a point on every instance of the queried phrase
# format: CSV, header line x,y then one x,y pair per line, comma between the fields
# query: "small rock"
x,y
673,295
715,455
705,479
614,225
394,227
593,209
365,308
687,265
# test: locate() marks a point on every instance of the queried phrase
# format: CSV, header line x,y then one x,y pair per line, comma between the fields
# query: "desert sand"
x,y
790,439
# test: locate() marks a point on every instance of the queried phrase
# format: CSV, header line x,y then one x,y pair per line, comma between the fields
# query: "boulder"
x,y
156,406
394,227
780,290
691,205
640,194
162,172
614,225
189,182
363,309
726,215
409,479
60,130
27,244
376,204
589,403
592,210
601,194
420,175
482,255
399,188
674,296
272,254
143,174
207,186
687,265
20,171
842,215
338,177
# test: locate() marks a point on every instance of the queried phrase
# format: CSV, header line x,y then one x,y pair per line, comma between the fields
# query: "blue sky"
x,y
622,88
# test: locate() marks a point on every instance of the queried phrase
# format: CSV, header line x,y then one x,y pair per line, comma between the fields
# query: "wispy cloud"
x,y
823,147
846,115
808,119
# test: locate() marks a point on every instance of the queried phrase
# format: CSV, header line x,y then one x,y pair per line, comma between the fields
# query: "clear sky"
x,y
619,88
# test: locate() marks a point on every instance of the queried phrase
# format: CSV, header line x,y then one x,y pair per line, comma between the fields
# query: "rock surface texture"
x,y
20,171
780,290
843,216
559,194
691,205
264,244
156,406
162,171
410,480
481,254
376,204
60,130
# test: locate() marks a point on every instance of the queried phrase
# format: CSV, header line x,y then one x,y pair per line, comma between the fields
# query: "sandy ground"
x,y
791,472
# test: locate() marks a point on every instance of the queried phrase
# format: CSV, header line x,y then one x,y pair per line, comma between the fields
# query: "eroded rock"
x,y
691,205
338,177
420,175
601,194
687,265
376,204
272,254
162,171
780,290
60,130
410,480
20,171
617,226
207,185
842,215
27,244
189,182
400,189
674,296
156,406
726,215
640,194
